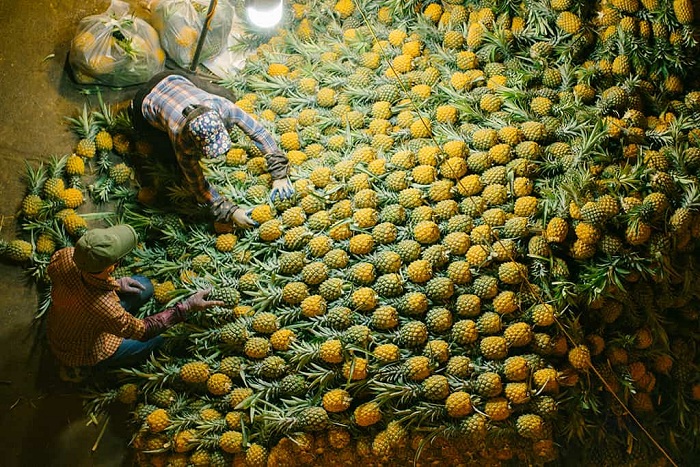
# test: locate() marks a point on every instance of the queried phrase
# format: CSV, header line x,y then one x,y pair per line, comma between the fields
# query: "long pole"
x,y
203,35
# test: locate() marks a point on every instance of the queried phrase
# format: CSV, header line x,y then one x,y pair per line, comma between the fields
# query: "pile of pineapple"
x,y
489,258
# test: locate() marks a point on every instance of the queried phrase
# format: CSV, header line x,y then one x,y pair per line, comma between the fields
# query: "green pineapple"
x,y
229,295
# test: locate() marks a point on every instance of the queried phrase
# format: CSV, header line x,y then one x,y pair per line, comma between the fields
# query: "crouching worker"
x,y
197,123
90,321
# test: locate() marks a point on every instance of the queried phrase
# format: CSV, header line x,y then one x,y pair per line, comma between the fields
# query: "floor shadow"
x,y
60,433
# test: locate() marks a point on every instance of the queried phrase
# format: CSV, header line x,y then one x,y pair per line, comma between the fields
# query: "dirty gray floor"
x,y
41,419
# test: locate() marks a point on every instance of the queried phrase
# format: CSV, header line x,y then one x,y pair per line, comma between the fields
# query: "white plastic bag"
x,y
115,48
179,24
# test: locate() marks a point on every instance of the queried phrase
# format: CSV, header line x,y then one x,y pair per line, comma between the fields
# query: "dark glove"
x,y
222,210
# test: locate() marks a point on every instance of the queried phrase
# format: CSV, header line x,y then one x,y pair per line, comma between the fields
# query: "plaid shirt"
x,y
162,108
86,323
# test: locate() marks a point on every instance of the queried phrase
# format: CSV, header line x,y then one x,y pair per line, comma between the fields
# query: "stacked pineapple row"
x,y
493,231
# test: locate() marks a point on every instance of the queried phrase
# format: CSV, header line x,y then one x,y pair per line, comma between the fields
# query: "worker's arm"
x,y
231,114
120,323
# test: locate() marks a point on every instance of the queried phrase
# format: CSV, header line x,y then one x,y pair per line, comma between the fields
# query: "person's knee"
x,y
147,291
157,342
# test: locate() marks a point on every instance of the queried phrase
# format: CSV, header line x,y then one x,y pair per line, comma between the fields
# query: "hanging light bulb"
x,y
264,13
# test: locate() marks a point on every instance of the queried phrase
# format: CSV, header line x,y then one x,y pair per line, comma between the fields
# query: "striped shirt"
x,y
163,109
86,323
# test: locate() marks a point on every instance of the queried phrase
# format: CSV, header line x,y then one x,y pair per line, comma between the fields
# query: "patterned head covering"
x,y
208,132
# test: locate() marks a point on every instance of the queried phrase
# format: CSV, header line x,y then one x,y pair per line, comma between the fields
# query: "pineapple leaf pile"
x,y
489,257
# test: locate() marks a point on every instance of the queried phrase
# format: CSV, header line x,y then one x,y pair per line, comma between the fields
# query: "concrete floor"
x,y
41,419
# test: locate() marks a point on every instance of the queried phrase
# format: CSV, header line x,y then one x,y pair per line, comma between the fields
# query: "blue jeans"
x,y
131,351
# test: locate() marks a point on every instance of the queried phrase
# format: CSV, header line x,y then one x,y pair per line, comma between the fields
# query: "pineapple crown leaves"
x,y
57,166
281,422
497,45
120,195
34,177
105,116
403,8
540,21
234,82
84,124
318,376
690,198
265,299
268,390
590,143
302,353
401,393
101,190
598,276
271,86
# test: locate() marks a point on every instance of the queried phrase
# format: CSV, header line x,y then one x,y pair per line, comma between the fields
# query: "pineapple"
x,y
326,97
158,421
85,127
231,441
367,414
75,225
464,332
473,428
229,295
75,165
530,426
226,242
683,9
497,409
435,388
313,305
413,333
17,250
45,244
494,347
120,173
32,204
256,455
458,404
336,400
257,348
569,22
219,384
103,142
557,230
580,357
54,187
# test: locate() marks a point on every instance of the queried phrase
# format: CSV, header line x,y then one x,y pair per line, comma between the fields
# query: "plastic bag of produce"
x,y
115,49
179,24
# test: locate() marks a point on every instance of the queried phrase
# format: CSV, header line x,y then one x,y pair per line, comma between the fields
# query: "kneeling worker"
x,y
197,123
90,322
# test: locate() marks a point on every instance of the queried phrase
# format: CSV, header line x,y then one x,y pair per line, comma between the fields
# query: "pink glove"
x,y
198,302
130,285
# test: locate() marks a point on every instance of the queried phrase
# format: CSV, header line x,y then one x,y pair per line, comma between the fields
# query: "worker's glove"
x,y
222,210
198,302
130,285
241,219
281,188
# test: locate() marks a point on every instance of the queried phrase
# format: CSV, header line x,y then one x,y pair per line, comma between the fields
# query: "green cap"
x,y
98,249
